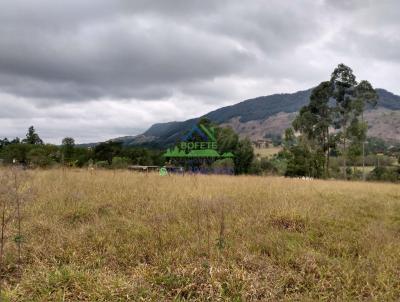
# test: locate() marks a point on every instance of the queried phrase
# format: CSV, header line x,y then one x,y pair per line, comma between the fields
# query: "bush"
x,y
102,164
255,167
224,166
302,161
120,162
37,157
270,166
385,174
265,166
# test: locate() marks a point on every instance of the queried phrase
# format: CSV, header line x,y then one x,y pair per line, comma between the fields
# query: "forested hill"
x,y
267,116
261,107
388,100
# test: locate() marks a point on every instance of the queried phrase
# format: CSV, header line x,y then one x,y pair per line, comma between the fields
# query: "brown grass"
x,y
141,237
267,152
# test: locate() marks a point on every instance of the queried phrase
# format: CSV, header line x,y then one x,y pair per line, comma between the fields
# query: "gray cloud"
x,y
63,63
123,57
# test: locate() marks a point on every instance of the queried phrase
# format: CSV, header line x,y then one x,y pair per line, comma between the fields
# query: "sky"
x,y
99,69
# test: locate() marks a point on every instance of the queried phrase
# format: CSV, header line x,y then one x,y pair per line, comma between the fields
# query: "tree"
x,y
82,156
351,99
4,142
32,137
106,151
314,121
67,148
16,152
365,96
303,160
227,139
289,138
343,83
337,103
298,161
38,157
224,166
141,156
244,155
120,162
15,141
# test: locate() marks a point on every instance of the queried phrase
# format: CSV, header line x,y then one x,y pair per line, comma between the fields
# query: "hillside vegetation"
x,y
267,116
119,236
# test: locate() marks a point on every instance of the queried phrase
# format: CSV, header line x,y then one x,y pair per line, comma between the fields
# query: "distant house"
x,y
261,143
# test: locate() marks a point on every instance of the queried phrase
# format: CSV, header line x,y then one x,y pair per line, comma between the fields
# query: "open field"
x,y
270,151
119,236
368,169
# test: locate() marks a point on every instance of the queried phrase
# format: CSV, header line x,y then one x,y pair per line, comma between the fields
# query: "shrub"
x,y
385,174
102,164
255,167
223,166
120,162
37,157
264,166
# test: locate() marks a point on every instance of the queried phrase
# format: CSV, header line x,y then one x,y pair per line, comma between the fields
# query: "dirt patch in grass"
x,y
291,224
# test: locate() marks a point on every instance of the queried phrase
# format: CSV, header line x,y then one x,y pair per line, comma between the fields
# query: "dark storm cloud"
x,y
116,66
83,50
125,56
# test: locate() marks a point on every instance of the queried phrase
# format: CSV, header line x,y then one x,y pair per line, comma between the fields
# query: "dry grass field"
x,y
119,236
267,152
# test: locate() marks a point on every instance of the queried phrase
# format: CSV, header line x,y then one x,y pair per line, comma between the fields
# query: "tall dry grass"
x,y
119,236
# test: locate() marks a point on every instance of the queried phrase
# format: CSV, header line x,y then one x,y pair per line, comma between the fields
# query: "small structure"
x,y
262,143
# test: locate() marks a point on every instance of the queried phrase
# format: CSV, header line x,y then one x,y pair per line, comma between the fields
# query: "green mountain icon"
x,y
203,153
176,153
228,155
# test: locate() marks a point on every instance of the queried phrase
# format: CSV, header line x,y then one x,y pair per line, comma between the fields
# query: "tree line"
x,y
32,151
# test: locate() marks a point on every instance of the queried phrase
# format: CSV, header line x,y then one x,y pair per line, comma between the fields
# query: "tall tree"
x,y
32,137
343,83
244,155
315,119
107,150
365,96
338,104
67,147
227,139
289,139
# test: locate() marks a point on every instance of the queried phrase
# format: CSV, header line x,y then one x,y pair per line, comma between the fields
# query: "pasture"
x,y
122,236
267,152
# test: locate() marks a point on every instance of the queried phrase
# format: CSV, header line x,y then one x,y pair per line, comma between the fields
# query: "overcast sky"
x,y
98,69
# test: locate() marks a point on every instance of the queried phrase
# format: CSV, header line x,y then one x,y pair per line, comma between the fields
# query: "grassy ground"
x,y
126,237
368,169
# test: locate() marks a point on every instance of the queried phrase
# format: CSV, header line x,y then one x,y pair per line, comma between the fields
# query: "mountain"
x,y
269,116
